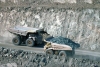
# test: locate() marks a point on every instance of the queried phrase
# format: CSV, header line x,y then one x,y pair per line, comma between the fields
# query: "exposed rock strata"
x,y
80,26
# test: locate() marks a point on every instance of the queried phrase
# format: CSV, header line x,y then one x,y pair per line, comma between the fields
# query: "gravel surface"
x,y
20,58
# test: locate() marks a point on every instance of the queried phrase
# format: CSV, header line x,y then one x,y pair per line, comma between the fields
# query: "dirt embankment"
x,y
20,58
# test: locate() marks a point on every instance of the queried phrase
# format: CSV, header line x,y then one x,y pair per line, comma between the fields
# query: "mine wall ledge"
x,y
46,5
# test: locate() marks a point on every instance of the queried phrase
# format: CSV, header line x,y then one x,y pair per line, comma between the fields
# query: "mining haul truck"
x,y
32,36
26,35
62,50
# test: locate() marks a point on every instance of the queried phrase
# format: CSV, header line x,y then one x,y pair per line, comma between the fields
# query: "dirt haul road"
x,y
87,54
25,48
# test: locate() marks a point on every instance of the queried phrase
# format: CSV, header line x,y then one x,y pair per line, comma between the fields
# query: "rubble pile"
x,y
63,40
20,58
24,58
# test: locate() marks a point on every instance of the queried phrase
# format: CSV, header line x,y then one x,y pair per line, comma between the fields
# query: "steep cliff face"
x,y
49,1
80,25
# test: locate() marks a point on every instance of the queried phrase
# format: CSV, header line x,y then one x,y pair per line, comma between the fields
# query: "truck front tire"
x,y
49,52
62,56
30,42
16,40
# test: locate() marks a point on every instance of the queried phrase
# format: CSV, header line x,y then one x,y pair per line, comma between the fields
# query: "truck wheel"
x,y
49,52
62,56
30,42
16,40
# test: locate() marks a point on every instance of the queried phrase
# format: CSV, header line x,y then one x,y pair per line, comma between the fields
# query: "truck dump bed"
x,y
61,40
23,30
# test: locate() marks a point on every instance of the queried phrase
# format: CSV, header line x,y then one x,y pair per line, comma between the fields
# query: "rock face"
x,y
49,1
9,65
82,25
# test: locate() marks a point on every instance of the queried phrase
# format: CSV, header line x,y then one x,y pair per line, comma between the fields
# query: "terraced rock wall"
x,y
74,19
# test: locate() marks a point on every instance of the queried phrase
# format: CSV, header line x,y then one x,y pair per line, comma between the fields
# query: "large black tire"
x,y
62,56
49,52
30,42
16,40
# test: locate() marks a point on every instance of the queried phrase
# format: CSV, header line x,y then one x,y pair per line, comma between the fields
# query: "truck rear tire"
x,y
49,52
30,42
16,40
62,56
